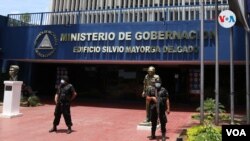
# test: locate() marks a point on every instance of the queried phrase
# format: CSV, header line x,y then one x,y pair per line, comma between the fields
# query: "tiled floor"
x,y
93,121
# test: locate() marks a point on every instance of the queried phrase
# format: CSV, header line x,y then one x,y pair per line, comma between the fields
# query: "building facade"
x,y
120,11
105,46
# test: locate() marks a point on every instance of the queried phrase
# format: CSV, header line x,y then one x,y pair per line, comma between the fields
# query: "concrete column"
x,y
60,6
92,17
101,3
80,5
65,5
139,3
124,3
128,12
133,15
68,5
56,5
83,4
105,4
75,18
121,3
105,17
114,16
163,3
109,4
87,16
93,5
83,20
143,15
89,4
114,4
77,5
123,17
101,17
72,5
53,5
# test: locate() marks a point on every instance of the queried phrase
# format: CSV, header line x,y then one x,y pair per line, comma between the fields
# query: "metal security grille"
x,y
117,11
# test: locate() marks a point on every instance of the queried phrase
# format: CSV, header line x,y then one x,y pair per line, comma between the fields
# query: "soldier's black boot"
x,y
163,137
152,137
69,130
53,129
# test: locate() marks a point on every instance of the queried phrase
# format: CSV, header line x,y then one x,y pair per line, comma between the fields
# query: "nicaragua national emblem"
x,y
45,43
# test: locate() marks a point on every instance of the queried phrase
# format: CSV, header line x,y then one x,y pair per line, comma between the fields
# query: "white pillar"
x,y
105,17
68,5
77,5
114,15
60,6
101,4
92,17
80,5
163,2
124,4
178,13
133,15
65,3
128,11
84,5
12,96
105,4
75,18
205,12
144,3
93,5
72,5
120,3
87,17
139,4
83,20
143,15
53,5
101,17
56,5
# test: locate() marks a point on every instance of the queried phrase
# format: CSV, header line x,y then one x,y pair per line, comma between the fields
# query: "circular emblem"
x,y
227,19
45,43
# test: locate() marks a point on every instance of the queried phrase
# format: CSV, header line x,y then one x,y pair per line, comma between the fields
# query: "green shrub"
x,y
209,106
206,132
34,101
209,111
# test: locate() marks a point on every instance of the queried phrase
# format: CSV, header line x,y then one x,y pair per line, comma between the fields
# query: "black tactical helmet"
x,y
157,80
65,78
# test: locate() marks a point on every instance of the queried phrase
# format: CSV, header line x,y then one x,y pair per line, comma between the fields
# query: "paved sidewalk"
x,y
92,121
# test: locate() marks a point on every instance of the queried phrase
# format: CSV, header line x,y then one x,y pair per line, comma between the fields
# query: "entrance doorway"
x,y
123,82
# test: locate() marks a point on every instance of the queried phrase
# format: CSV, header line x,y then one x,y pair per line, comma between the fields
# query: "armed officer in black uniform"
x,y
63,97
158,100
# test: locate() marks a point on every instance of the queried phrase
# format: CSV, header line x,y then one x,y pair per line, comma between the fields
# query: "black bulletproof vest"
x,y
65,93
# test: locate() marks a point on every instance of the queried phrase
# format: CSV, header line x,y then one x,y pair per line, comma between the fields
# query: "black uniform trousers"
x,y
154,117
62,108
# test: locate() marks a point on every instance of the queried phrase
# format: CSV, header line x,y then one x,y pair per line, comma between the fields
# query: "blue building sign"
x,y
158,41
